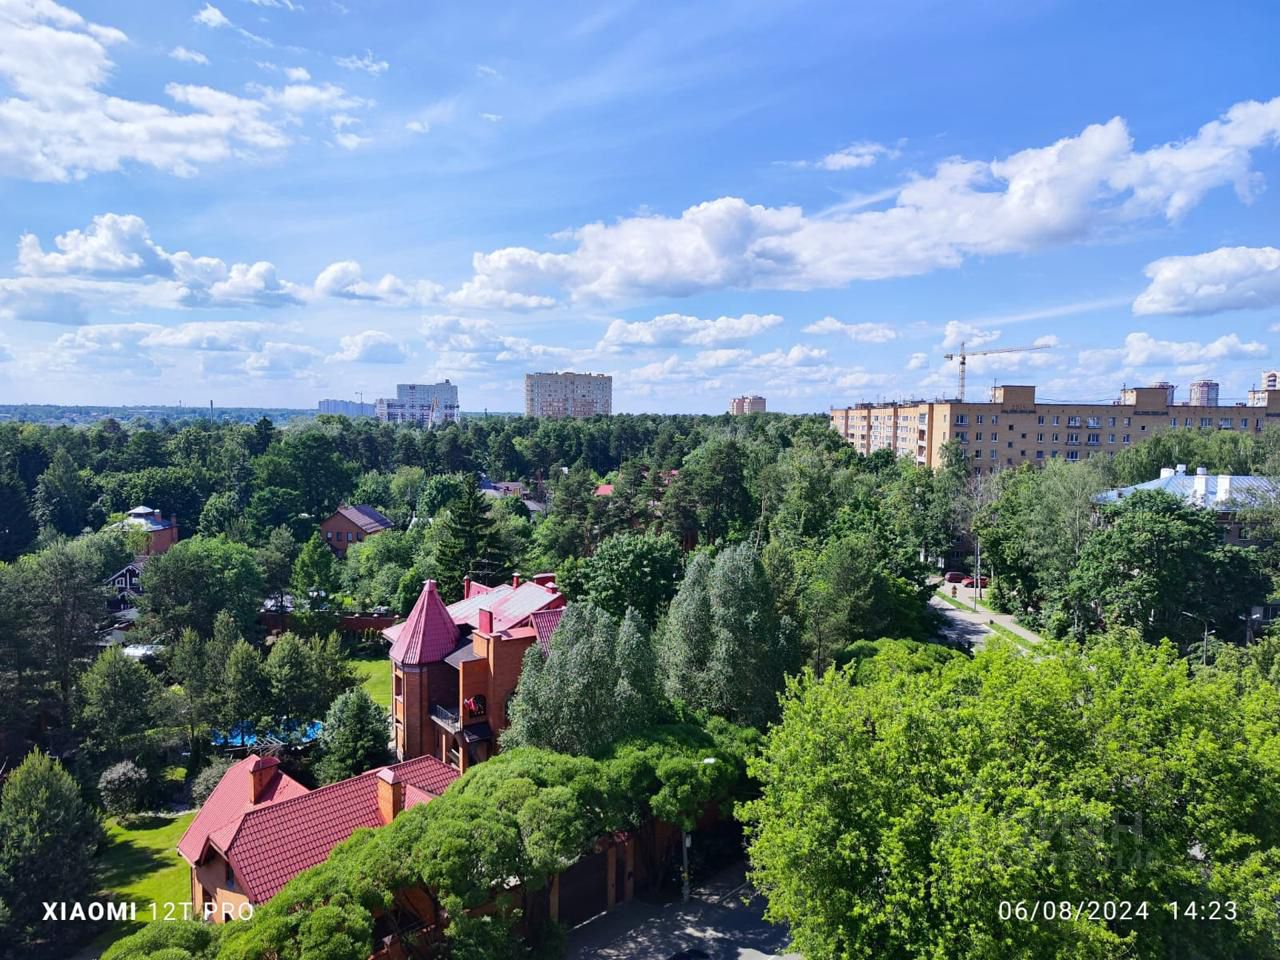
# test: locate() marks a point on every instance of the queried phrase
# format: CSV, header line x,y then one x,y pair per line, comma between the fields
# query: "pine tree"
x,y
17,524
48,835
356,731
246,695
468,545
62,496
315,576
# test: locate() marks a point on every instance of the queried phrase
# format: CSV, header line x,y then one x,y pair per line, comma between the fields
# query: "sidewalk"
x,y
716,920
968,625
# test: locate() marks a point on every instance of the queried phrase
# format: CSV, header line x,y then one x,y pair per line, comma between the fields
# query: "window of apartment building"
x,y
1206,421
1022,453
1073,439
1010,444
1094,422
1057,420
1073,421
1053,454
978,435
1093,439
962,436
1244,423
977,454
1173,421
1039,438
1224,423
995,455
1126,421
1024,436
1111,438
1055,438
1073,454
995,419
1186,422
1111,421
979,418
1125,438
1039,454
1040,420
962,419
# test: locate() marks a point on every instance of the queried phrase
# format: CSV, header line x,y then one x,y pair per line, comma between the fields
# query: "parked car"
x,y
953,576
970,581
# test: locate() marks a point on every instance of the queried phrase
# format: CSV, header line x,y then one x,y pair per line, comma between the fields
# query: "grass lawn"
x,y
375,678
140,863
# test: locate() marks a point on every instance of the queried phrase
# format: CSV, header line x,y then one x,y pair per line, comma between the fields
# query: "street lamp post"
x,y
685,841
1204,649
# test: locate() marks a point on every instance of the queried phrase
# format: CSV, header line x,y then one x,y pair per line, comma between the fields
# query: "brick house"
x,y
348,525
161,533
454,669
260,828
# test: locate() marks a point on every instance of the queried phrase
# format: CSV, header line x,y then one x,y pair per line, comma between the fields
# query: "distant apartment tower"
x,y
347,408
1204,393
1270,381
1014,427
567,394
739,406
426,404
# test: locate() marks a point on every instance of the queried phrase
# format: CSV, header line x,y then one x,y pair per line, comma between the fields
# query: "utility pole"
x,y
977,582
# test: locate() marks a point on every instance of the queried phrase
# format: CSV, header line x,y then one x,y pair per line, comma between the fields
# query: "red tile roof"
x,y
271,843
604,490
544,624
230,800
428,635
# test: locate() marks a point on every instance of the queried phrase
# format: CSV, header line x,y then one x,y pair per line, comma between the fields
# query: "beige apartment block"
x,y
1014,428
567,394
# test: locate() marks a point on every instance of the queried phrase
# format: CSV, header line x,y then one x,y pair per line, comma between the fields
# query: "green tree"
x,y
17,524
633,570
63,496
48,832
275,559
222,513
247,697
117,704
896,816
314,582
193,580
467,544
439,492
354,739
290,670
724,649
123,788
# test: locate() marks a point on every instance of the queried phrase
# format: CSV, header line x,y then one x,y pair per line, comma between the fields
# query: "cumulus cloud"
x,y
473,342
671,329
481,293
852,157
368,63
345,280
1067,192
188,56
144,349
59,123
350,141
858,332
918,361
1143,350
1229,278
417,126
958,333
371,346
483,70
277,361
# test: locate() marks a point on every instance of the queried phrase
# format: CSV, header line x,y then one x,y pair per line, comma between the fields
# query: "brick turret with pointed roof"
x,y
419,675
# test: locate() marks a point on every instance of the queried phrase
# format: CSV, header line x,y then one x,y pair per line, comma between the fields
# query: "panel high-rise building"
x,y
347,408
427,404
739,406
567,394
1204,393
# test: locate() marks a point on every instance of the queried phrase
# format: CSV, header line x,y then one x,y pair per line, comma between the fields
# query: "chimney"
x,y
261,772
466,587
1167,472
1180,468
174,518
1224,487
390,795
1201,472
486,621
515,580
1200,485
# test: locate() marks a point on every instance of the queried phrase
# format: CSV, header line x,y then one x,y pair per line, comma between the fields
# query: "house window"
x,y
1173,421
328,534
348,536
231,879
399,682
1186,422
977,454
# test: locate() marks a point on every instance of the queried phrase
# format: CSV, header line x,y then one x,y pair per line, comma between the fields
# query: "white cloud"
x,y
491,117
188,56
858,332
305,97
1067,192
368,63
1143,350
351,141
674,328
282,4
482,70
296,74
918,361
345,281
476,342
417,126
343,120
278,361
480,293
144,349
853,157
958,333
212,17
1229,278
59,125
371,346
5,354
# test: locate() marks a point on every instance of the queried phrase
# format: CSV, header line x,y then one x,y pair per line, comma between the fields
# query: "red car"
x,y
955,576
970,581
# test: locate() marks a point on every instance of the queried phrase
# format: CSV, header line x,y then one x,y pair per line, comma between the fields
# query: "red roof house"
x,y
260,828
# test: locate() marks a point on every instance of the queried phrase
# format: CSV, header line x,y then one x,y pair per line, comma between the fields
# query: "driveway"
x,y
724,918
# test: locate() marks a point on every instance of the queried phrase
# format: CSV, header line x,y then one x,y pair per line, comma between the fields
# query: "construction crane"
x,y
963,355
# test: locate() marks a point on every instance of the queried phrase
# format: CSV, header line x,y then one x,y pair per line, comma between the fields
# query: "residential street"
x,y
971,627
716,920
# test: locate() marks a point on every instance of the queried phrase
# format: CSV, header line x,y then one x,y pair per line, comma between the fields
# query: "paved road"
x,y
974,627
724,918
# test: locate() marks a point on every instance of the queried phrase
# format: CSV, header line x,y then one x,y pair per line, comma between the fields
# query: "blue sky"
x,y
270,202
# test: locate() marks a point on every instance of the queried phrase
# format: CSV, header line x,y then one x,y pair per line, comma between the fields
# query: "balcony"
x,y
447,718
